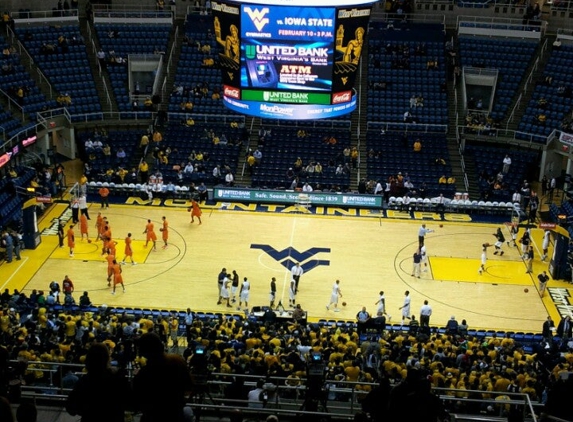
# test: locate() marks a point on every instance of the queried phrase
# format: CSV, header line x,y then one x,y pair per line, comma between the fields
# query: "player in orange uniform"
x,y
164,232
84,226
110,260
149,230
105,245
106,238
195,211
99,225
128,250
71,240
106,229
111,247
117,277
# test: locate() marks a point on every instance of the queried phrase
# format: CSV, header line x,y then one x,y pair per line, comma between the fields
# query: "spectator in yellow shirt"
x,y
143,171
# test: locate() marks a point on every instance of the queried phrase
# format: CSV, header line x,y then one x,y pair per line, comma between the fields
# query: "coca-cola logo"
x,y
341,97
232,92
4,159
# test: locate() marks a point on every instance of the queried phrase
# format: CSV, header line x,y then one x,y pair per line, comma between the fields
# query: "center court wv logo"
x,y
258,17
290,256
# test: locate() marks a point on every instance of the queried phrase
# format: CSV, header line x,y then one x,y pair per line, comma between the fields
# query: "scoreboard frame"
x,y
287,60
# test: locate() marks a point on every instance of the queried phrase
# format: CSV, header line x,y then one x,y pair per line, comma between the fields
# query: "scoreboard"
x,y
287,60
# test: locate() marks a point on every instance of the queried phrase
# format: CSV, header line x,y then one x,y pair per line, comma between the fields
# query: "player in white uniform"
x,y
292,293
336,293
545,244
225,292
382,306
244,294
514,231
483,259
405,308
424,257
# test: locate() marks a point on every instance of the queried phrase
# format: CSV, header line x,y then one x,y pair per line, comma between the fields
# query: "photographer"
x,y
258,396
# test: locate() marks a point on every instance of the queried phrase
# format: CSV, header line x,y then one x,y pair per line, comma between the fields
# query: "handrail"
x,y
360,85
529,79
533,139
207,118
562,6
514,399
527,84
278,403
95,51
23,51
435,1
413,18
406,127
12,102
164,89
99,67
47,15
108,97
94,48
469,3
552,135
252,125
502,22
45,80
515,108
19,45
277,123
14,139
118,7
172,50
113,14
248,146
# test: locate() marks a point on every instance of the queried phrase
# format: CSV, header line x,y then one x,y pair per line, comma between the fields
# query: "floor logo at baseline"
x,y
290,256
561,298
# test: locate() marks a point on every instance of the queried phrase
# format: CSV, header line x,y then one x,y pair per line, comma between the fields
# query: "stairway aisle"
x,y
526,89
358,120
101,78
456,117
243,177
171,70
37,76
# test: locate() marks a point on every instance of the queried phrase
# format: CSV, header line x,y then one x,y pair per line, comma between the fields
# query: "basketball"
x,y
486,245
343,303
161,229
526,290
89,241
441,225
189,209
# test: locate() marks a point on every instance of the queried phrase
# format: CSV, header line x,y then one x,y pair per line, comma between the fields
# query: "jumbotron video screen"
x,y
289,60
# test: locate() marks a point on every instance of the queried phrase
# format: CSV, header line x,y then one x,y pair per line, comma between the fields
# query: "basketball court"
x,y
366,253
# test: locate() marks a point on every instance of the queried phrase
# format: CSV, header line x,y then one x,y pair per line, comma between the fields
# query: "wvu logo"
x,y
290,256
258,17
344,79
